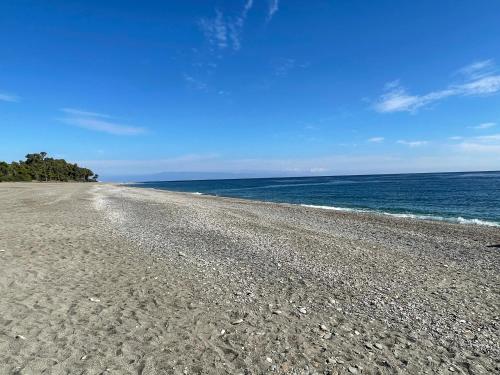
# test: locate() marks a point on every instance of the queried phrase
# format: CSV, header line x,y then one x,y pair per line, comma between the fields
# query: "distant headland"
x,y
39,167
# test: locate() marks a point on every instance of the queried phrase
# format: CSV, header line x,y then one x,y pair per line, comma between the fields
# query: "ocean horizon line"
x,y
304,176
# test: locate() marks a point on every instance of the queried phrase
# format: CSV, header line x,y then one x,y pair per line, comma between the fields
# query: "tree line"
x,y
39,167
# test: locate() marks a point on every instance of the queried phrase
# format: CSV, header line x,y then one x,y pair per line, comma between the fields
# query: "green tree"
x,y
39,167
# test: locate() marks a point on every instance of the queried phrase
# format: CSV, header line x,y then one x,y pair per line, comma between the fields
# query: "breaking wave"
x,y
459,219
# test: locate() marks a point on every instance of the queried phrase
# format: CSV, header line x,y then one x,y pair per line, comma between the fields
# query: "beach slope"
x,y
98,279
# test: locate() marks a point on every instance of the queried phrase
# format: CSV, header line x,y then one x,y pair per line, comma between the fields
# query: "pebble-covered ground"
x,y
108,279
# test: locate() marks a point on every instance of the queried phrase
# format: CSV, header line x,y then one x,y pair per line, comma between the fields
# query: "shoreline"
x,y
108,278
411,216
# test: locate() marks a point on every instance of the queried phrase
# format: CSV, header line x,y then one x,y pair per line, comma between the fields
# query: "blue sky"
x,y
263,87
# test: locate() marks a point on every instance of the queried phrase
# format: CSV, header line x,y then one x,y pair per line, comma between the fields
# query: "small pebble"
x,y
352,370
302,310
277,312
21,337
379,346
238,321
222,331
93,299
269,360
182,254
323,327
452,369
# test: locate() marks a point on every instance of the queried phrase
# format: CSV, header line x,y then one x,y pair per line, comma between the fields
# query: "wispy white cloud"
x,y
311,127
104,126
7,97
77,112
273,8
479,78
195,83
284,66
482,86
489,144
480,148
376,139
223,32
484,125
215,30
491,137
318,170
247,7
98,122
236,27
478,69
412,143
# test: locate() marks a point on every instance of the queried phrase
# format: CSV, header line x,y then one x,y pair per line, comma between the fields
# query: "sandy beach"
x,y
98,279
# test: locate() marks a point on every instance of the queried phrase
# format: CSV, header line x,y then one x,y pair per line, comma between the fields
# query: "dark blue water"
x,y
459,197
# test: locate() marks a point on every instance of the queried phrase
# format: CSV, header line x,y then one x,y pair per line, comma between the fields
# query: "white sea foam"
x,y
459,219
477,222
197,193
333,208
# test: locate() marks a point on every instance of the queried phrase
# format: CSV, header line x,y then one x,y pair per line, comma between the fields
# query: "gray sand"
x,y
98,279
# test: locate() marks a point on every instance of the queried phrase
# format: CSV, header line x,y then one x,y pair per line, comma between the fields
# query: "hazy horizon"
x,y
207,176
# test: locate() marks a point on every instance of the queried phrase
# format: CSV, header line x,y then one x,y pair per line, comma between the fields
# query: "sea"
x,y
467,197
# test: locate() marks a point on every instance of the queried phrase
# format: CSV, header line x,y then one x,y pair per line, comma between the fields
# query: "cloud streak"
x,y
376,139
479,147
273,8
484,144
412,143
77,112
98,122
284,66
215,30
195,83
485,125
478,69
7,97
479,79
223,32
236,27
